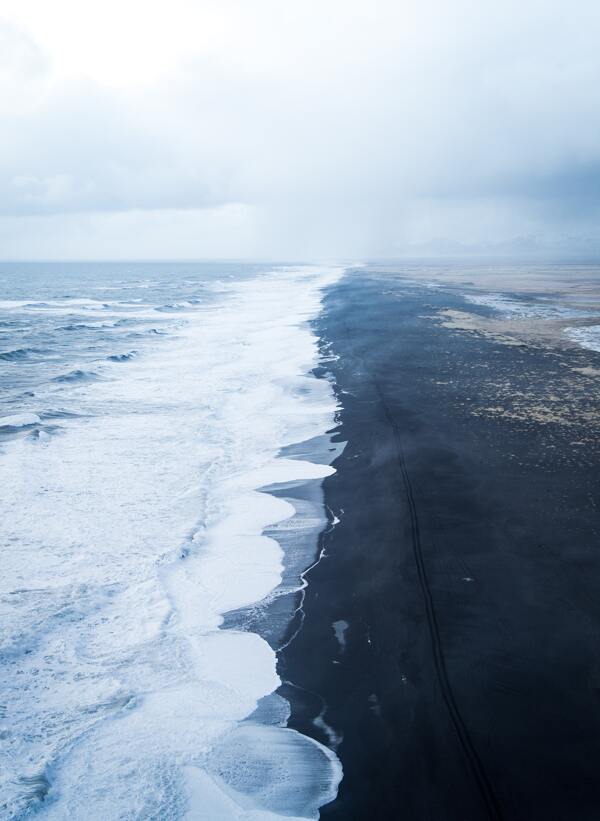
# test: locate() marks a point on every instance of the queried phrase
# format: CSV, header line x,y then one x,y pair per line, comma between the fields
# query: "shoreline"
x,y
278,618
303,772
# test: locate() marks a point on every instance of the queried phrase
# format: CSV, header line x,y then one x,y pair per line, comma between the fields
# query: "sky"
x,y
296,129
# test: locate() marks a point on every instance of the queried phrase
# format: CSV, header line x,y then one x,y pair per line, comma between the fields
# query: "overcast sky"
x,y
298,129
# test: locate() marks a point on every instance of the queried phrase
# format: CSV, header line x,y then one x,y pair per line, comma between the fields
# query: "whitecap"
x,y
19,420
139,698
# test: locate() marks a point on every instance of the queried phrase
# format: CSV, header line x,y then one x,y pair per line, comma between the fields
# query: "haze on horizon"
x,y
224,128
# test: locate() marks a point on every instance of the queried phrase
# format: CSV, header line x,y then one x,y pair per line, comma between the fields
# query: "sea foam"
x,y
128,539
586,336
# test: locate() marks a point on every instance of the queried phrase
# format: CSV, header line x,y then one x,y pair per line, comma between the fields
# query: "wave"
x,y
92,326
81,326
19,420
122,357
19,354
77,375
148,332
34,788
9,304
188,441
67,302
121,322
176,306
59,413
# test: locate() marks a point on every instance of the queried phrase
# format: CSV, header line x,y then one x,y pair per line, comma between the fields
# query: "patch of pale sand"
x,y
563,401
508,331
566,408
593,372
515,331
528,412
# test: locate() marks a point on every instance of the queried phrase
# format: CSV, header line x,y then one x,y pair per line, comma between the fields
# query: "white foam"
x,y
339,628
19,420
587,337
509,306
111,639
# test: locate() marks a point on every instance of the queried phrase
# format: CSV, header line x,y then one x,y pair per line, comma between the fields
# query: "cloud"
x,y
20,56
334,128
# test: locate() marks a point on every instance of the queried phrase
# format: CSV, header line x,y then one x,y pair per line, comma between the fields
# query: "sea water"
x,y
142,408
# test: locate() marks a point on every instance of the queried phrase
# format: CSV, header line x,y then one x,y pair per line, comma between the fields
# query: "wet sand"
x,y
453,629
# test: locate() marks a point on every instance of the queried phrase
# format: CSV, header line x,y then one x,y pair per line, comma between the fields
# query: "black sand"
x,y
467,566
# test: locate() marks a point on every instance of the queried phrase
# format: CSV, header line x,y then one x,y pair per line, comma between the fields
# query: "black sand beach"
x,y
453,629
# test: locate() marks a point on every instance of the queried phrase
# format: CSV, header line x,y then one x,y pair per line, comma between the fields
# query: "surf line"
x,y
299,610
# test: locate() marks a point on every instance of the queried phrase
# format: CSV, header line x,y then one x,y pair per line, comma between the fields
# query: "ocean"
x,y
142,408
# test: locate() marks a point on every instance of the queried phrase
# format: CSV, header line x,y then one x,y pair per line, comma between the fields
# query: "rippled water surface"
x,y
141,407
